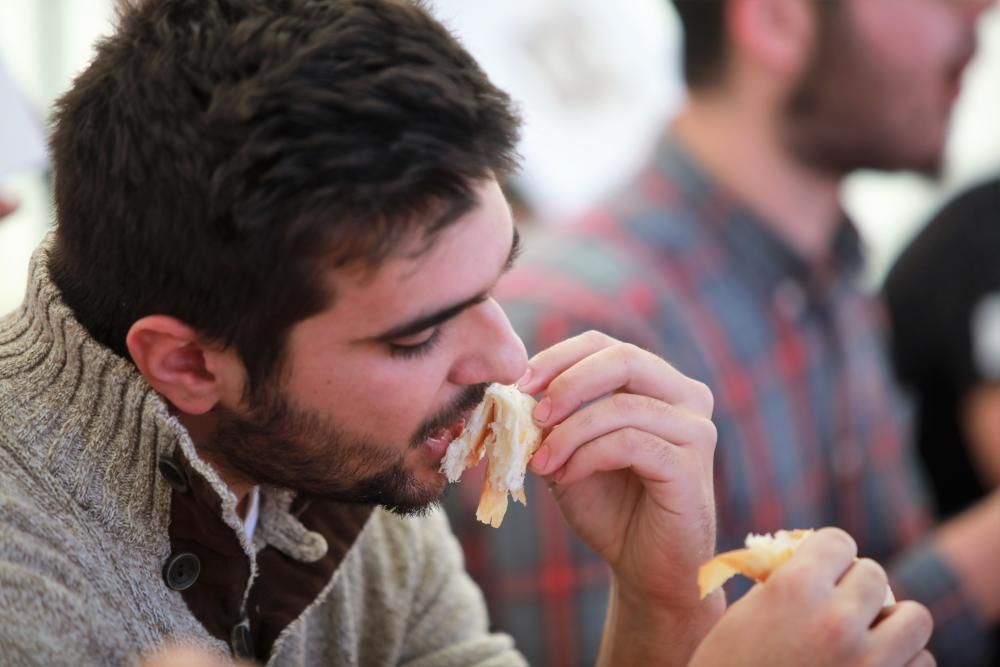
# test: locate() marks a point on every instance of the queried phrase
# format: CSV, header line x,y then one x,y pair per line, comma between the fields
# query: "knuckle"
x,y
624,356
837,537
557,388
631,349
595,337
872,571
704,398
840,629
710,433
923,622
792,584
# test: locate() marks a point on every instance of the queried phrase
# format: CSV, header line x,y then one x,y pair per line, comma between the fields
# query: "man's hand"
x,y
820,608
186,656
632,472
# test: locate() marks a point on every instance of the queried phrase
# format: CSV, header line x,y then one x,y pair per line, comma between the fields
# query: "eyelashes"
x,y
420,349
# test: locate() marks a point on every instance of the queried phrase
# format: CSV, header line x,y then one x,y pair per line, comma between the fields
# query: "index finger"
x,y
552,361
591,365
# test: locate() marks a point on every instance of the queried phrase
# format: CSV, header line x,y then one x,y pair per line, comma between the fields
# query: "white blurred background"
x,y
596,81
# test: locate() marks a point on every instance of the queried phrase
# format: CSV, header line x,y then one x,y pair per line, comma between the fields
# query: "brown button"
x,y
173,473
181,571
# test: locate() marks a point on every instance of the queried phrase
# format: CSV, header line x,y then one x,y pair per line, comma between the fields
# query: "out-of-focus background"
x,y
596,81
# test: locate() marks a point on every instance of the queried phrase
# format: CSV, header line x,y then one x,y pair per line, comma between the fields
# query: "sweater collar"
x,y
86,416
88,425
95,424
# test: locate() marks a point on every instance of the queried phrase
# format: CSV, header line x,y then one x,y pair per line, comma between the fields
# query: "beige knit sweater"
x,y
84,518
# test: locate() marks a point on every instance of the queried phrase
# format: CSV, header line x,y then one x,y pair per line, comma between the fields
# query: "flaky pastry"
x,y
762,555
501,428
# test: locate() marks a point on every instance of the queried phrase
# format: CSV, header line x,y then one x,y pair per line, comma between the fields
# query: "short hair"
x,y
217,157
705,40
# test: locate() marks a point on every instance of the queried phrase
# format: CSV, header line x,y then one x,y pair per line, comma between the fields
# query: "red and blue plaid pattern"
x,y
811,431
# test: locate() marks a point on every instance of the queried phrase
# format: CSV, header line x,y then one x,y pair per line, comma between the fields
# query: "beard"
x,y
278,444
851,111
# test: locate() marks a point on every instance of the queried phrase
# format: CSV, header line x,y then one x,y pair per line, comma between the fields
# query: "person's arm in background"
x,y
980,414
969,544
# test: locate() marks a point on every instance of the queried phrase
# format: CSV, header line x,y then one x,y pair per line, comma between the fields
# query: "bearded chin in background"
x,y
853,111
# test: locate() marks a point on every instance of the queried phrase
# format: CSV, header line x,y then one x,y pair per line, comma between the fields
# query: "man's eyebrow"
x,y
424,322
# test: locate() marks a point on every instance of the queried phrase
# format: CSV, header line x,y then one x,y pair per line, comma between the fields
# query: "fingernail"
x,y
540,459
524,379
543,410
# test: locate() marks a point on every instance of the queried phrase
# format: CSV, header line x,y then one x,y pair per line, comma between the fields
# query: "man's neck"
x,y
201,428
744,153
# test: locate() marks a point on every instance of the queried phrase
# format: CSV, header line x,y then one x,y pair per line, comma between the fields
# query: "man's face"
x,y
376,386
882,82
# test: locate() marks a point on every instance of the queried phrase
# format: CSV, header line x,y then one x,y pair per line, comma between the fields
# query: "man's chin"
x,y
419,501
411,509
415,498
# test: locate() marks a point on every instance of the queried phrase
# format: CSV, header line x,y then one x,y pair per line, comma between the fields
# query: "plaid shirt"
x,y
811,432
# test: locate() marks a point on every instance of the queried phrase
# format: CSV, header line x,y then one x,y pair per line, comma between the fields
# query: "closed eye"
x,y
415,346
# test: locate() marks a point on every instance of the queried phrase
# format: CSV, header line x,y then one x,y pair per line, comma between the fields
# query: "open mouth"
x,y
440,438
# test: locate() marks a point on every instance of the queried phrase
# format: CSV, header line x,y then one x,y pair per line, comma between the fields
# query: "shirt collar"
x,y
760,255
253,512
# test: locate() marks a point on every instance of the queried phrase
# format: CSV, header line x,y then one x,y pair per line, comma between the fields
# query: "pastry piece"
x,y
761,557
502,429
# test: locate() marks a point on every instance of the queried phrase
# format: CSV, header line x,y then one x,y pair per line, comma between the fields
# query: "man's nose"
x,y
973,9
496,353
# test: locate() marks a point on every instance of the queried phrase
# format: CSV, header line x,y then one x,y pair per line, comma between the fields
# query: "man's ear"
x,y
777,35
188,372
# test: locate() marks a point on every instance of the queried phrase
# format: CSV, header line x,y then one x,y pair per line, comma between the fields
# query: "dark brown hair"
x,y
217,157
704,24
706,42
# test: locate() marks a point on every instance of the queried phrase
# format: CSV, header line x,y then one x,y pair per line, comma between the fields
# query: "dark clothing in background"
x,y
933,291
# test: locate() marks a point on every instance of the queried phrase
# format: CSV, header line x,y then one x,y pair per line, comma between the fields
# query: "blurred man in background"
x,y
943,295
730,256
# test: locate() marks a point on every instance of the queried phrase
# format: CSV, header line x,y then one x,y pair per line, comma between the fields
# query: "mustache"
x,y
469,398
